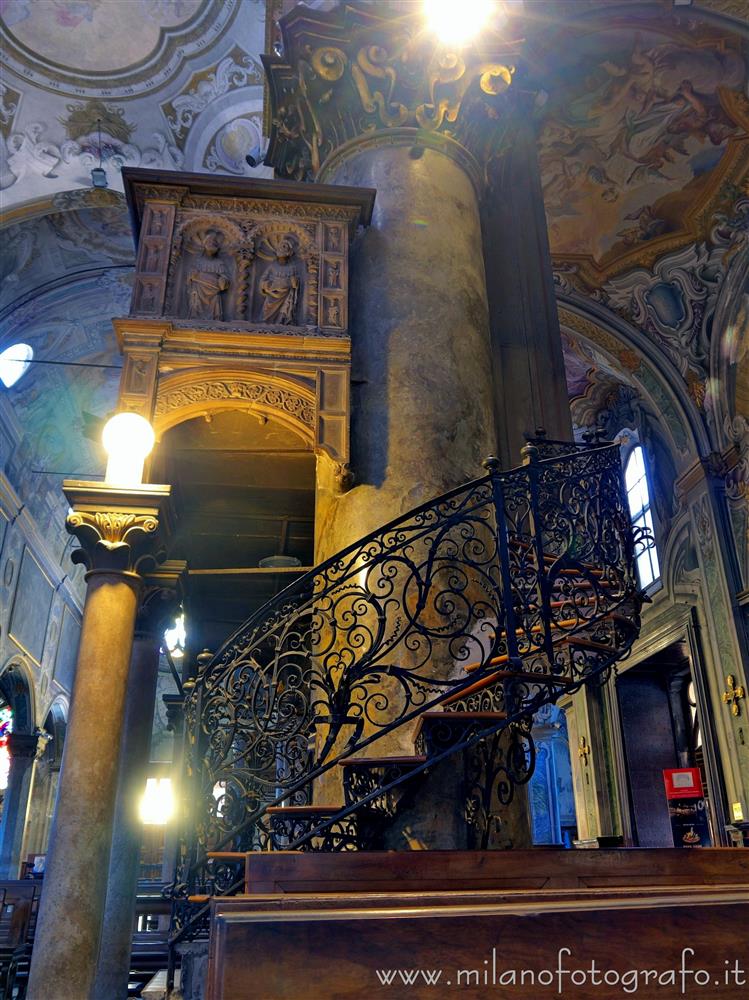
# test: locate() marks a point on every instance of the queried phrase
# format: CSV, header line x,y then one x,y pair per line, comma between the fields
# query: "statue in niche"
x,y
334,274
153,258
207,282
334,313
280,286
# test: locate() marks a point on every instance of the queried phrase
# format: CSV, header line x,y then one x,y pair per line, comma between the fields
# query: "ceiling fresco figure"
x,y
632,121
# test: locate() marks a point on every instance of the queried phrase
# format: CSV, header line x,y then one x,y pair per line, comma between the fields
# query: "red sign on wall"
x,y
683,783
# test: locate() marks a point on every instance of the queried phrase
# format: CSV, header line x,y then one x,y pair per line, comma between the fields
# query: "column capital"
x,y
162,595
120,530
175,712
351,75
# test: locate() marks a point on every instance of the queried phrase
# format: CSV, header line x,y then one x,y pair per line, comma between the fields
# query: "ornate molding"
x,y
243,389
349,72
119,530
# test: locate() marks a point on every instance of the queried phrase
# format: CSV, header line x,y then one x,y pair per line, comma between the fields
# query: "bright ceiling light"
x,y
456,22
127,440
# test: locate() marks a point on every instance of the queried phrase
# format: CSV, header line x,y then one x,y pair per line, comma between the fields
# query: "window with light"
x,y
14,362
638,497
6,728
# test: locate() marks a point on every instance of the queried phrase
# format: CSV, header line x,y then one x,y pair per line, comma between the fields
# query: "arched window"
x,y
14,361
638,497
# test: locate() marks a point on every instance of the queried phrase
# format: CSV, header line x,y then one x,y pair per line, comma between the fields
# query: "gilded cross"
x,y
583,750
733,694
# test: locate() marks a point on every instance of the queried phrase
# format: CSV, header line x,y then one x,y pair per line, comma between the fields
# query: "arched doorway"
x,y
46,777
17,712
244,493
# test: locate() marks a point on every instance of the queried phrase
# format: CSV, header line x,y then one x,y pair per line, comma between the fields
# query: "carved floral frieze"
x,y
244,390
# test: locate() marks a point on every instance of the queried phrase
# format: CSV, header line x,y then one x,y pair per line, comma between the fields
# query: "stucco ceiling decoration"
x,y
648,120
107,48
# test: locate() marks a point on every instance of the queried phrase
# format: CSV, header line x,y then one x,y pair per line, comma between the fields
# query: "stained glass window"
x,y
638,496
6,728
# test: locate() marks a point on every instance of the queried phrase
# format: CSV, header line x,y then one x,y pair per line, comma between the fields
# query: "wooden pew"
x,y
20,905
279,947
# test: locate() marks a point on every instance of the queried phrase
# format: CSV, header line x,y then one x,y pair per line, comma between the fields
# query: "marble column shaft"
x,y
422,388
124,861
23,750
68,933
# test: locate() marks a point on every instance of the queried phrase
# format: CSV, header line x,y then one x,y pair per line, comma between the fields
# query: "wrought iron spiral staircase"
x,y
453,624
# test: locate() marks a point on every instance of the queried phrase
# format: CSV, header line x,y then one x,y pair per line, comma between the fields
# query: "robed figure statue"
x,y
206,282
280,287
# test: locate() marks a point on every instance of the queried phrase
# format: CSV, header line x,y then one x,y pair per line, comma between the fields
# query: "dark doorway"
x,y
660,720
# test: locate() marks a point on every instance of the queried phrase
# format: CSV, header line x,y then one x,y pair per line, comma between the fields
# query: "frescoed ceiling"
x,y
644,132
167,83
644,154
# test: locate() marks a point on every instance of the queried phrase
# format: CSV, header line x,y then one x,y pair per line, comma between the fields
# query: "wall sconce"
x,y
157,804
127,438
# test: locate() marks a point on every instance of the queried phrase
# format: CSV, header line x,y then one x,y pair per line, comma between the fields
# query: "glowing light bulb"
x,y
127,440
157,804
456,22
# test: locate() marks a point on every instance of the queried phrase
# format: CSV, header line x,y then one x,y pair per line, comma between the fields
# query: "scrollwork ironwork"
x,y
478,607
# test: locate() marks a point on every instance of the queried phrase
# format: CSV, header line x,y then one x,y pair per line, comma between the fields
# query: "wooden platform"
x,y
428,871
342,939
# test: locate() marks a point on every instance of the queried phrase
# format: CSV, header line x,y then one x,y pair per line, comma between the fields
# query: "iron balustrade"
x,y
495,597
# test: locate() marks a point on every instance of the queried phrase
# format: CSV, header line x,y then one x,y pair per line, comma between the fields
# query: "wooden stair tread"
x,y
414,759
452,717
499,675
304,810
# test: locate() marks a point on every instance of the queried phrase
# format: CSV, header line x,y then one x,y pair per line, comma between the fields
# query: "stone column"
x,y
162,593
23,749
422,390
120,532
369,101
175,713
531,388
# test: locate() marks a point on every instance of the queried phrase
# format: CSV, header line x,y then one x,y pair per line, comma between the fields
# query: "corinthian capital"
x,y
120,530
350,74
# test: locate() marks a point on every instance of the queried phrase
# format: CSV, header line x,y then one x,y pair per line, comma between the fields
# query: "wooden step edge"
x,y
500,675
573,640
414,759
438,716
227,855
303,810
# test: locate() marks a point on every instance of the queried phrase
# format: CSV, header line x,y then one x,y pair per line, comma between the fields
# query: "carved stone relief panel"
x,y
244,261
246,271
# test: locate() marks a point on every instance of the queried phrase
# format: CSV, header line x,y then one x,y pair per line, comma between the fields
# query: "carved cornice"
x,y
259,196
120,530
348,73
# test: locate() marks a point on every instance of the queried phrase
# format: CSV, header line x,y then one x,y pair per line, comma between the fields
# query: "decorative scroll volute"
x,y
348,73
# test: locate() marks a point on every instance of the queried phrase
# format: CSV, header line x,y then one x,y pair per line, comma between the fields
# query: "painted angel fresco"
x,y
626,130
